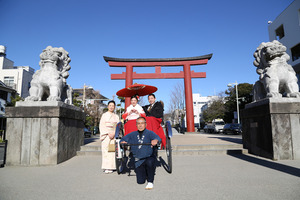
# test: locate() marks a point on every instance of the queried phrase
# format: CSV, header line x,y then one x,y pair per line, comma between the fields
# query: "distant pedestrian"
x,y
143,154
107,126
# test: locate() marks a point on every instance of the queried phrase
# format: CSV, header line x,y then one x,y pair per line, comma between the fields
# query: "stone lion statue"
x,y
49,83
276,76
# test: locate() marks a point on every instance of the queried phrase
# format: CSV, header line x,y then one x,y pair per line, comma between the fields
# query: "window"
x,y
295,52
9,81
279,32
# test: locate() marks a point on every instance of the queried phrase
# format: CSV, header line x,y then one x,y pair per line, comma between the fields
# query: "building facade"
x,y
92,103
286,29
16,77
88,95
5,94
200,104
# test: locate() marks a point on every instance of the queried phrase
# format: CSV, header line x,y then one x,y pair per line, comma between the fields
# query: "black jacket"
x,y
156,111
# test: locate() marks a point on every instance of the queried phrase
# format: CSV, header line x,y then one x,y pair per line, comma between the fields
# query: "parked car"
x,y
87,132
205,129
232,129
96,130
218,125
197,127
209,128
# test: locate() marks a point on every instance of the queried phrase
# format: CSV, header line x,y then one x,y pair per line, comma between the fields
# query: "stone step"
x,y
208,152
89,153
180,150
90,148
207,147
177,147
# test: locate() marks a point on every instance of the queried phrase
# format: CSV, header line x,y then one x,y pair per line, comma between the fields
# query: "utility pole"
x,y
83,98
237,99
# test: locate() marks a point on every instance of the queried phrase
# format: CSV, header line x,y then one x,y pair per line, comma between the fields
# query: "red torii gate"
x,y
187,74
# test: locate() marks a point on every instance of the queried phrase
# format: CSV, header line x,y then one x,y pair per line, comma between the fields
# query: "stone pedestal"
x,y
43,133
271,128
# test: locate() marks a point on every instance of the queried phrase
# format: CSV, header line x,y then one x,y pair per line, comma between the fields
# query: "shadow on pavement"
x,y
90,140
269,164
162,162
229,139
129,165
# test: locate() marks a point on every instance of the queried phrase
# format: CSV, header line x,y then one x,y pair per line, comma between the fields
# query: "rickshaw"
x,y
122,155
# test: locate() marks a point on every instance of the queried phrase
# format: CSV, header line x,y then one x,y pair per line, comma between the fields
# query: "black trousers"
x,y
146,171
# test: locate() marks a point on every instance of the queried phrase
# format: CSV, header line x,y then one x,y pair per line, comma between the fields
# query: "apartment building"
x,y
286,29
200,104
16,77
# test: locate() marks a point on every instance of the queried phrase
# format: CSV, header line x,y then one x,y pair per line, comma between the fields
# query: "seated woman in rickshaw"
x,y
133,112
154,112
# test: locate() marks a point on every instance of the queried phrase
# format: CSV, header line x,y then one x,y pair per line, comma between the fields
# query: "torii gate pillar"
x,y
187,74
128,81
188,98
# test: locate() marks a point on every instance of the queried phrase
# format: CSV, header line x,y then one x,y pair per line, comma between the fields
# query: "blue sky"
x,y
91,29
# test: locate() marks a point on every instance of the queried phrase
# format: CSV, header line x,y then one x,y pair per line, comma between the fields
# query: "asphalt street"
x,y
194,177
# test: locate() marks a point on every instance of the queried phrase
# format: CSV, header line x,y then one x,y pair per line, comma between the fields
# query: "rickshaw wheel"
x,y
120,161
169,154
169,146
120,165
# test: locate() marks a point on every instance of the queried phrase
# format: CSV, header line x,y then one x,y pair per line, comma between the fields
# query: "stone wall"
x,y
43,135
271,128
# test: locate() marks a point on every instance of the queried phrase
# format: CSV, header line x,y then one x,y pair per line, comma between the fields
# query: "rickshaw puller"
x,y
143,154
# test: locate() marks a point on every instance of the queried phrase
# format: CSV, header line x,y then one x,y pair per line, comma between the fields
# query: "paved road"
x,y
194,177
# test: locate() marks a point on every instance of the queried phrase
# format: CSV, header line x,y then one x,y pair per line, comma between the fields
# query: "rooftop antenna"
x,y
2,50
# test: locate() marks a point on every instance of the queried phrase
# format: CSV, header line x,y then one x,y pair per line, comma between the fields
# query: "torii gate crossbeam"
x,y
187,74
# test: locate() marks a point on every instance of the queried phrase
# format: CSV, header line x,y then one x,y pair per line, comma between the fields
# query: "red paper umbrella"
x,y
136,89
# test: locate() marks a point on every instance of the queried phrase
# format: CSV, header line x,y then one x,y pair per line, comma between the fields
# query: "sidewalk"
x,y
194,177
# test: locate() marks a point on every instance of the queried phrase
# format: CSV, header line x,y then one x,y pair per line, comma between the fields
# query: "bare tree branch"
x,y
177,103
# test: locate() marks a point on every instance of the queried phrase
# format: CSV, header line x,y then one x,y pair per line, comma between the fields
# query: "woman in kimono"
x,y
108,124
133,112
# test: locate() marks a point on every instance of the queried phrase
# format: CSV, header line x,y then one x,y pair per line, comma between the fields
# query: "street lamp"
x,y
237,99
